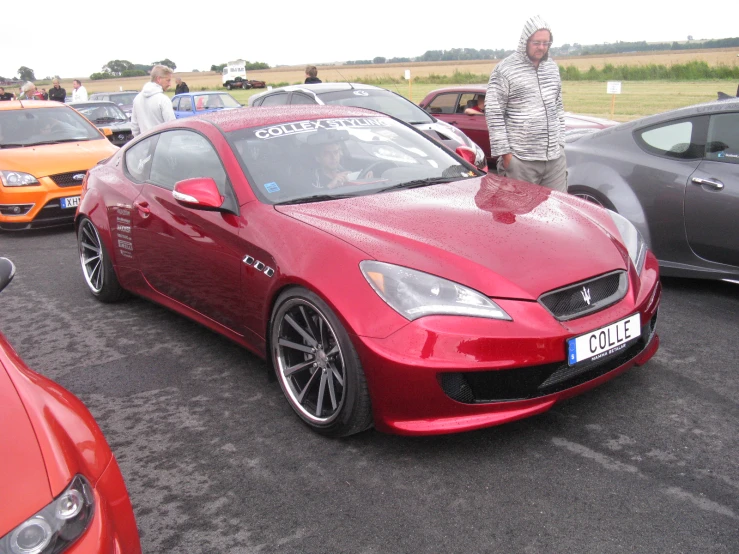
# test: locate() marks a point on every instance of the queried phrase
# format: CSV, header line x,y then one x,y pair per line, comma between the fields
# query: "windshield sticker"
x,y
313,126
271,187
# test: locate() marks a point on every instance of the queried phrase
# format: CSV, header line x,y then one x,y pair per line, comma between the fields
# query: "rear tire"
x,y
228,86
317,366
97,267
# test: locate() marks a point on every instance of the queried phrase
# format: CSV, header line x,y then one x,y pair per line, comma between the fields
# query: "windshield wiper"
x,y
104,119
420,183
315,198
59,141
12,145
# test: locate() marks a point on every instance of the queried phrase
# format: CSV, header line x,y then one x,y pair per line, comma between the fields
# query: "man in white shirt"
x,y
79,94
151,106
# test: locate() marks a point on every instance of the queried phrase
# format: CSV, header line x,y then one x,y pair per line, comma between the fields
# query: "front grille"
x,y
525,383
68,179
120,138
586,297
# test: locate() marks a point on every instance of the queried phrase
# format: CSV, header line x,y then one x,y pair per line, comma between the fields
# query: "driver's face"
x,y
330,157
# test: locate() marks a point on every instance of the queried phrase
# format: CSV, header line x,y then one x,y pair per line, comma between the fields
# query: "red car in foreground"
x,y
388,281
449,104
62,490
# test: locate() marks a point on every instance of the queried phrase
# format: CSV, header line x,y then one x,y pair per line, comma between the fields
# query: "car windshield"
x,y
29,127
101,113
382,101
124,98
323,159
215,101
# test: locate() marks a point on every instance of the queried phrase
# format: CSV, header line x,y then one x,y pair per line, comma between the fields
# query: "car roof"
x,y
113,92
462,88
93,103
200,93
233,120
30,104
322,88
705,108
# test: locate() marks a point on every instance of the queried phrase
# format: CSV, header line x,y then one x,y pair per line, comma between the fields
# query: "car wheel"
x,y
317,366
228,86
96,264
592,197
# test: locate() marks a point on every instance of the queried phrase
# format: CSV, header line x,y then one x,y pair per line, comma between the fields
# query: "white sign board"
x,y
407,74
613,87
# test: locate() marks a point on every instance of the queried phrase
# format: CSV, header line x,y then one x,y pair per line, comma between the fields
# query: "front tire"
x,y
317,366
228,86
591,196
97,266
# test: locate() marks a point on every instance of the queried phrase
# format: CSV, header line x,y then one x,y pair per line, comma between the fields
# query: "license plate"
x,y
604,341
70,202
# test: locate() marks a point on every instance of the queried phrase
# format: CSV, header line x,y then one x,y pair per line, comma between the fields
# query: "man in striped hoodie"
x,y
525,114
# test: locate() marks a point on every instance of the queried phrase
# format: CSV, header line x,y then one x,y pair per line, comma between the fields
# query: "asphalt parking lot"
x,y
216,462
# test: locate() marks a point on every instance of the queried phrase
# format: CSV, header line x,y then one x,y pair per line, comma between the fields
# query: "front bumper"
x,y
449,374
36,206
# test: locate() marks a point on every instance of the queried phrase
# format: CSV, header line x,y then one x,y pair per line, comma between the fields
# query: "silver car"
x,y
675,176
373,98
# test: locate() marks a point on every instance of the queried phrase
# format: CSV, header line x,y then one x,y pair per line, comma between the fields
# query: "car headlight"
x,y
632,239
56,526
415,294
17,179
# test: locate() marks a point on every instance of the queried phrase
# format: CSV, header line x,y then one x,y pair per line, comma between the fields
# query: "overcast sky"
x,y
77,39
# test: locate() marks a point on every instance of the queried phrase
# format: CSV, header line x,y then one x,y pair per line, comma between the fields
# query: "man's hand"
x,y
339,180
507,160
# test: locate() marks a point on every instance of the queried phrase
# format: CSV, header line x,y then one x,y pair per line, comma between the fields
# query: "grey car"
x,y
373,98
675,176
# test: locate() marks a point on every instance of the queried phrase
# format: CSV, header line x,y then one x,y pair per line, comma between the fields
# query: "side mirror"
x,y
466,153
107,131
200,193
7,271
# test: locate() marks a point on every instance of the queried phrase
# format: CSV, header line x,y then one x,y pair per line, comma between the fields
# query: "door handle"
x,y
718,185
143,207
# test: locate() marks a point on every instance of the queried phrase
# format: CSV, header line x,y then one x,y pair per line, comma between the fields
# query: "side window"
x,y
723,138
185,104
444,103
138,159
674,139
467,100
183,155
175,104
299,98
278,99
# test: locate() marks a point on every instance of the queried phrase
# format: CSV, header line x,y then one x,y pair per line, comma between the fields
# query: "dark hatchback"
x,y
106,115
123,99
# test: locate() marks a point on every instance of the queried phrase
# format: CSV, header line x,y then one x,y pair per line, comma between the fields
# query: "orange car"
x,y
45,150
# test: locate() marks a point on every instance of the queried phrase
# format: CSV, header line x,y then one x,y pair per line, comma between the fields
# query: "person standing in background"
x,y
56,92
181,87
80,93
525,113
5,96
151,106
311,75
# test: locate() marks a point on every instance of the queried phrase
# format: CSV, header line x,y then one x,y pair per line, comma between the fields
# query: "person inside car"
x,y
328,152
476,107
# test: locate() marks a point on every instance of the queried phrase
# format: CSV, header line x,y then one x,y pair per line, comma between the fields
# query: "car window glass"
x,y
354,156
183,155
723,138
467,100
275,99
673,139
444,103
175,104
379,100
299,98
185,104
138,159
45,126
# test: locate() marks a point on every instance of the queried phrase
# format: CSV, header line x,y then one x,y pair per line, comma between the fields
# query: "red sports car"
x,y
62,490
387,280
452,104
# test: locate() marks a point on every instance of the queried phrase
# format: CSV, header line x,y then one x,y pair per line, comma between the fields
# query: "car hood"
x,y
116,127
580,121
50,159
444,132
504,238
23,478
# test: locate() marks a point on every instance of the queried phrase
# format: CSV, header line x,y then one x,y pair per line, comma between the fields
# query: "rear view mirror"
x,y
466,153
7,271
200,193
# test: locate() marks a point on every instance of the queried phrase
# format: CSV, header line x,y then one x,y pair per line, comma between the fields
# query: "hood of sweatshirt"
x,y
150,89
534,24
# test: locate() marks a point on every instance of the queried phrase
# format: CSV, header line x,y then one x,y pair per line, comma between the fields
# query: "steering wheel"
x,y
373,167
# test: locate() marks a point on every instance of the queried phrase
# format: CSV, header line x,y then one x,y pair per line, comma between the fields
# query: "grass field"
x,y
637,98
